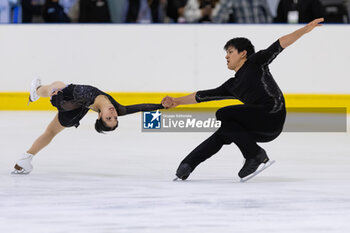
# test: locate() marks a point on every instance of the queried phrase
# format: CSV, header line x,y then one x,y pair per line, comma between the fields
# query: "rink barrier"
x,y
19,101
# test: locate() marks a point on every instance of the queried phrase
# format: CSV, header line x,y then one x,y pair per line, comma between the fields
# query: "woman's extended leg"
x,y
51,131
23,165
48,90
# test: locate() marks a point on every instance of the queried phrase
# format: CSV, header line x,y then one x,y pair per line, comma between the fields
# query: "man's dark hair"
x,y
101,127
241,44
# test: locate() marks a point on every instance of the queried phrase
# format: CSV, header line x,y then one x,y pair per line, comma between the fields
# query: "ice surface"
x,y
122,182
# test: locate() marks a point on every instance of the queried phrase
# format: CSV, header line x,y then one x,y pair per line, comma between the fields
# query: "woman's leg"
x,y
51,131
23,165
47,90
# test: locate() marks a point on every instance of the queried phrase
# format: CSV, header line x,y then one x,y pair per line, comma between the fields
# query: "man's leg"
x,y
201,153
230,131
247,126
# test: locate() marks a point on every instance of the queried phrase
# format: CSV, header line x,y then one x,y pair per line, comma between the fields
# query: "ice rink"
x,y
122,182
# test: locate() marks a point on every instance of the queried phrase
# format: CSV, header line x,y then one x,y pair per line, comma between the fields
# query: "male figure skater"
x,y
259,119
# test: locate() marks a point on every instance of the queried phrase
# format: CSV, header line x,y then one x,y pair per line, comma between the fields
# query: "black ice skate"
x,y
250,167
183,171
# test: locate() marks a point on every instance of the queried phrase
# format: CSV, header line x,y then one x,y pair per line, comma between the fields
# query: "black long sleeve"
x,y
129,109
253,83
218,93
266,56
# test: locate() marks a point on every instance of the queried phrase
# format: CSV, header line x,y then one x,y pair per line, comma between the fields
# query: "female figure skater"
x,y
259,119
73,102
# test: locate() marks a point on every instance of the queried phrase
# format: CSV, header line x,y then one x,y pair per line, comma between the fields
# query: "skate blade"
x,y
265,165
29,101
19,171
175,179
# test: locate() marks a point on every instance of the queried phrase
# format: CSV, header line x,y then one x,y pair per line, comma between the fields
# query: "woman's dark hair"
x,y
241,44
101,127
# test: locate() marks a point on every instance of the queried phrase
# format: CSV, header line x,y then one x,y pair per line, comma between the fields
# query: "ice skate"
x,y
36,83
24,164
183,171
252,166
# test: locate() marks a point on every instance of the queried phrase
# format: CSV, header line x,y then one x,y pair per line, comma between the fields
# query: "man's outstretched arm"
x,y
220,93
171,102
289,39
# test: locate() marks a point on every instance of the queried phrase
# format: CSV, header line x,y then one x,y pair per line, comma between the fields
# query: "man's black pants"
x,y
244,125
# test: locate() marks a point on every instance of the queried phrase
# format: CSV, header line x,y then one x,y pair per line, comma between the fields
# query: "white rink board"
x,y
167,58
121,182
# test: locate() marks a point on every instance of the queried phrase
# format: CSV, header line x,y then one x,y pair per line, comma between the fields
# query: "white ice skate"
x,y
24,164
36,83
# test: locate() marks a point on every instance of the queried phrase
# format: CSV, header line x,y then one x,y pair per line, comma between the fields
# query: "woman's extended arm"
x,y
130,109
289,39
